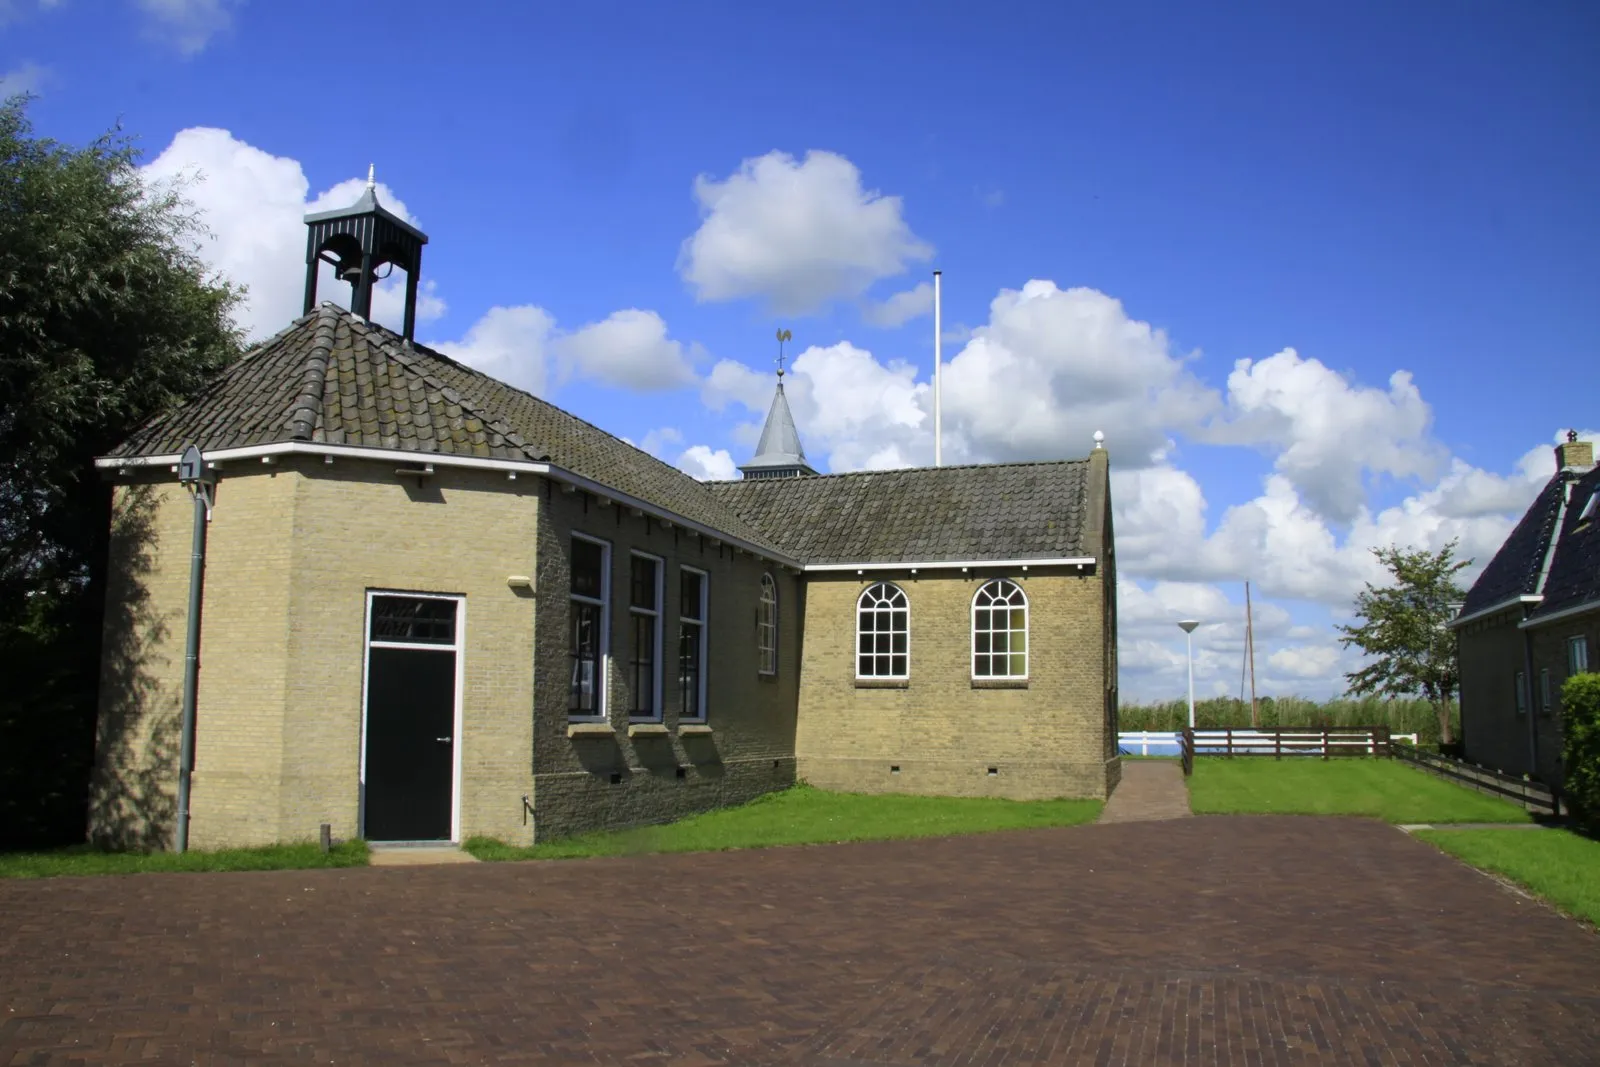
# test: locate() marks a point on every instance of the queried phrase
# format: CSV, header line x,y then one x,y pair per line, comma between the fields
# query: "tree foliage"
x,y
1404,628
1580,744
107,316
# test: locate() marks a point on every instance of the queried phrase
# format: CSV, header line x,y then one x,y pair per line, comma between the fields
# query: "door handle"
x,y
444,740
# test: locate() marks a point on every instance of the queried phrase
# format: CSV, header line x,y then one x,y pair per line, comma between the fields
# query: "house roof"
x,y
924,514
1514,570
334,378
1574,578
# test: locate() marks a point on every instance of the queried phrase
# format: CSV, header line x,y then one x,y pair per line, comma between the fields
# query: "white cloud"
x,y
27,77
1329,434
797,234
699,461
900,308
656,441
187,25
509,343
629,349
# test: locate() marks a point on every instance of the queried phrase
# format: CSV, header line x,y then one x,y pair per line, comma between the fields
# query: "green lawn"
x,y
806,816
85,860
1559,866
1385,789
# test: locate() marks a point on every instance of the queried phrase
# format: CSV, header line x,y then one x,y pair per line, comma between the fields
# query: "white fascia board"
x,y
951,564
445,459
1493,609
1556,616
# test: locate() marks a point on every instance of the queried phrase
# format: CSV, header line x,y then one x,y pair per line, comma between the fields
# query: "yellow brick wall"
x,y
752,718
357,528
943,730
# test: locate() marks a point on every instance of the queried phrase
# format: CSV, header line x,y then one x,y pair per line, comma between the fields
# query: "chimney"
x,y
1573,454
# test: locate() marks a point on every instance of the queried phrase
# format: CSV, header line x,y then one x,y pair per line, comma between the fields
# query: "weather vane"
x,y
783,335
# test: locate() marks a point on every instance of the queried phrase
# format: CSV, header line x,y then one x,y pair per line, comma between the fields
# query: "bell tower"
x,y
358,240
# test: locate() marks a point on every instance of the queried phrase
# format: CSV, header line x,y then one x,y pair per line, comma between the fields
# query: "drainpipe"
x,y
192,472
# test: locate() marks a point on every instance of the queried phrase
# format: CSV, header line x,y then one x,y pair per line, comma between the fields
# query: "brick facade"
x,y
294,548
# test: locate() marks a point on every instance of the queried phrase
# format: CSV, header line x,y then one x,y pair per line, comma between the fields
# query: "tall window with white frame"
x,y
589,624
883,633
691,644
644,656
767,626
1000,631
1578,652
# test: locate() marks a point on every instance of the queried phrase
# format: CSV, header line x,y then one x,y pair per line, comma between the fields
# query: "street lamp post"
x,y
1188,626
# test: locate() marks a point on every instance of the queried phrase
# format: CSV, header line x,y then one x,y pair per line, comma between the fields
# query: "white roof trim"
x,y
1492,609
445,459
951,564
1557,616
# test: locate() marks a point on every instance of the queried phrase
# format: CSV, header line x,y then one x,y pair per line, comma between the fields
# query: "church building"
x,y
433,606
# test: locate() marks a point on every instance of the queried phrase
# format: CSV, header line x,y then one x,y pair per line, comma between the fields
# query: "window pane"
x,y
689,638
588,563
980,665
1019,641
1000,642
414,619
689,586
644,583
980,643
1019,665
899,642
584,652
981,619
642,660
897,666
1019,619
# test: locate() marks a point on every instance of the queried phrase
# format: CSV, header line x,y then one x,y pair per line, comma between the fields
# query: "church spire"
x,y
779,453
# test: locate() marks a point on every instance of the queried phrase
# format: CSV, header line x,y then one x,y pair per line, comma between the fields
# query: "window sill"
x,y
647,729
766,676
999,683
883,683
693,729
577,730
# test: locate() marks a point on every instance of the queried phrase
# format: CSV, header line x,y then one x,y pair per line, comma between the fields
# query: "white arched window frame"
x,y
767,626
883,632
1000,631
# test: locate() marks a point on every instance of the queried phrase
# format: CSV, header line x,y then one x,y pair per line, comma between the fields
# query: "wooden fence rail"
x,y
1532,795
1279,741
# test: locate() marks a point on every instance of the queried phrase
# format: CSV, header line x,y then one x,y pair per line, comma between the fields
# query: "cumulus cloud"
x,y
628,349
27,77
900,308
1327,433
797,234
188,25
509,343
699,461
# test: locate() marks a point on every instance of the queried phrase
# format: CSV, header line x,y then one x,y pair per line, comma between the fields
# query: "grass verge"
x,y
1379,788
1557,865
85,860
806,816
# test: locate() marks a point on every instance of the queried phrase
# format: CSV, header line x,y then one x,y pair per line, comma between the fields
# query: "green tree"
x,y
1405,628
107,316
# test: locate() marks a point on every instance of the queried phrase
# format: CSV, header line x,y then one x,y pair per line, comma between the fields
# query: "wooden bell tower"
x,y
358,241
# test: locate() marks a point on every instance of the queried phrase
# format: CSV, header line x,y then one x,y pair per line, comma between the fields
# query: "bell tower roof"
x,y
779,453
357,241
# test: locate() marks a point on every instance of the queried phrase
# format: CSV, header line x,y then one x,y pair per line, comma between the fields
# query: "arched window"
x,y
1000,631
883,633
767,626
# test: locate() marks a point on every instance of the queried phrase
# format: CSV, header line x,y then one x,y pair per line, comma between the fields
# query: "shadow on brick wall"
x,y
132,801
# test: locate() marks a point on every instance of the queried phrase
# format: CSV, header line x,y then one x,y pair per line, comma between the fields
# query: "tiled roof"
x,y
1574,579
334,378
925,514
1514,571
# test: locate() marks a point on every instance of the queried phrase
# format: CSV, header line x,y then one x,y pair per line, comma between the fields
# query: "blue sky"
x,y
1337,193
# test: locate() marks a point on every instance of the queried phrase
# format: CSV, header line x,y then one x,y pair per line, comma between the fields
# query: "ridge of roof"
x,y
305,411
719,482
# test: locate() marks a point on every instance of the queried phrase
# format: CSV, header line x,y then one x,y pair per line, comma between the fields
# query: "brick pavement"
x,y
1208,940
1148,790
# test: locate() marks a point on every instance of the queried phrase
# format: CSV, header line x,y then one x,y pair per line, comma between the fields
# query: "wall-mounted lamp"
x,y
520,581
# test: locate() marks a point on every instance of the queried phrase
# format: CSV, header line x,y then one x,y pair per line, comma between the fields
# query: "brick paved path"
x,y
1204,941
1148,790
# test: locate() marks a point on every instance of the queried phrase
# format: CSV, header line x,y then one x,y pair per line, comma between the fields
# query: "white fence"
x,y
1244,742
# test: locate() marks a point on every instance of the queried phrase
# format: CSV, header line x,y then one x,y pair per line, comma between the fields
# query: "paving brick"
x,y
1209,940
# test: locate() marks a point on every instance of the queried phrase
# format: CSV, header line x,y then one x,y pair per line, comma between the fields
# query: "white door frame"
x,y
459,650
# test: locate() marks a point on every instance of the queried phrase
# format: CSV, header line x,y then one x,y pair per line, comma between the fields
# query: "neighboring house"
x,y
1531,620
436,606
